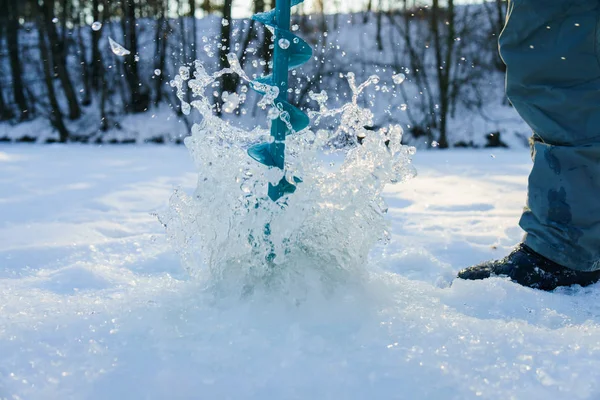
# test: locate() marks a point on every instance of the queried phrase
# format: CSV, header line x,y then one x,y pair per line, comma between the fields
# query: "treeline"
x,y
56,64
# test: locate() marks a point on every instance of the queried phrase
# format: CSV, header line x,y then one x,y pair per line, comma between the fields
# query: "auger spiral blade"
x,y
290,52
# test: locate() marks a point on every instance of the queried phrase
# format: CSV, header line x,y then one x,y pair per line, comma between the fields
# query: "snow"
x,y
94,303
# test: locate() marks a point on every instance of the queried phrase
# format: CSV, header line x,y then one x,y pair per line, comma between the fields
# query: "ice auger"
x,y
290,52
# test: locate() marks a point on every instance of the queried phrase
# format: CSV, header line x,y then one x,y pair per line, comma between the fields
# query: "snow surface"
x,y
94,303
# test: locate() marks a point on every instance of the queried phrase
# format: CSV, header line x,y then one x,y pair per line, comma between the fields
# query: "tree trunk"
x,y
59,57
194,30
336,15
100,70
250,34
160,40
65,16
96,63
500,18
367,11
115,61
5,110
140,99
500,13
378,38
14,54
264,53
56,118
443,58
229,83
87,90
182,33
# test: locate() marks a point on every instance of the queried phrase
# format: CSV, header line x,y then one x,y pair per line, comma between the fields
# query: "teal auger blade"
x,y
290,52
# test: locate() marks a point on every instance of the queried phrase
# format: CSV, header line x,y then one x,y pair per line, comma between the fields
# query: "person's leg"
x,y
551,50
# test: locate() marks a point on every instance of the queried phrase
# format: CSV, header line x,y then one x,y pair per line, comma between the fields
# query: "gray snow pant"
x,y
552,52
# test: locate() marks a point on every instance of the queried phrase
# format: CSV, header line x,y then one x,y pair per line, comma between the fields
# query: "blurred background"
x,y
62,80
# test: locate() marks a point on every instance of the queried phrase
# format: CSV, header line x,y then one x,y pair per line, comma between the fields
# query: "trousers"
x,y
551,49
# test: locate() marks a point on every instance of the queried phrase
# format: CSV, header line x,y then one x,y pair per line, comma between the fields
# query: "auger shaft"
x,y
280,79
290,52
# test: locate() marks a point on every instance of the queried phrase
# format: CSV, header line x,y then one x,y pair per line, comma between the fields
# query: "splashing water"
x,y
118,49
96,26
398,78
284,43
230,233
231,102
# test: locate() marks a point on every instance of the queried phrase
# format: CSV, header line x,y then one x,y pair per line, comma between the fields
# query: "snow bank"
x,y
94,304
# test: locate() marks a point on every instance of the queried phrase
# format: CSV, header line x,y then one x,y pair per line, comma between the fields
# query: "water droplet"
x,y
185,108
273,113
295,27
399,78
208,49
157,72
184,73
225,22
434,144
284,43
136,58
118,49
55,20
96,26
296,40
231,102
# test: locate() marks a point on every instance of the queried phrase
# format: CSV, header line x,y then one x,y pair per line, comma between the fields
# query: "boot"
x,y
528,268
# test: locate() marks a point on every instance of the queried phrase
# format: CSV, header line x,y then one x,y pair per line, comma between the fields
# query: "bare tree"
x,y
83,63
496,12
160,41
139,96
229,83
96,62
14,55
264,51
56,117
378,39
414,36
443,48
182,33
58,49
192,4
5,111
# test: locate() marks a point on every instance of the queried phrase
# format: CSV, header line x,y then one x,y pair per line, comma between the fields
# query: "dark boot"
x,y
531,269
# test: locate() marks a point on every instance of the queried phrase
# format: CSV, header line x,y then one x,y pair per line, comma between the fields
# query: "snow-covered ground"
x,y
94,303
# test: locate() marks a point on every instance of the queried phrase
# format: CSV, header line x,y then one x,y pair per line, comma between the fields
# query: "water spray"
x,y
324,234
290,52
